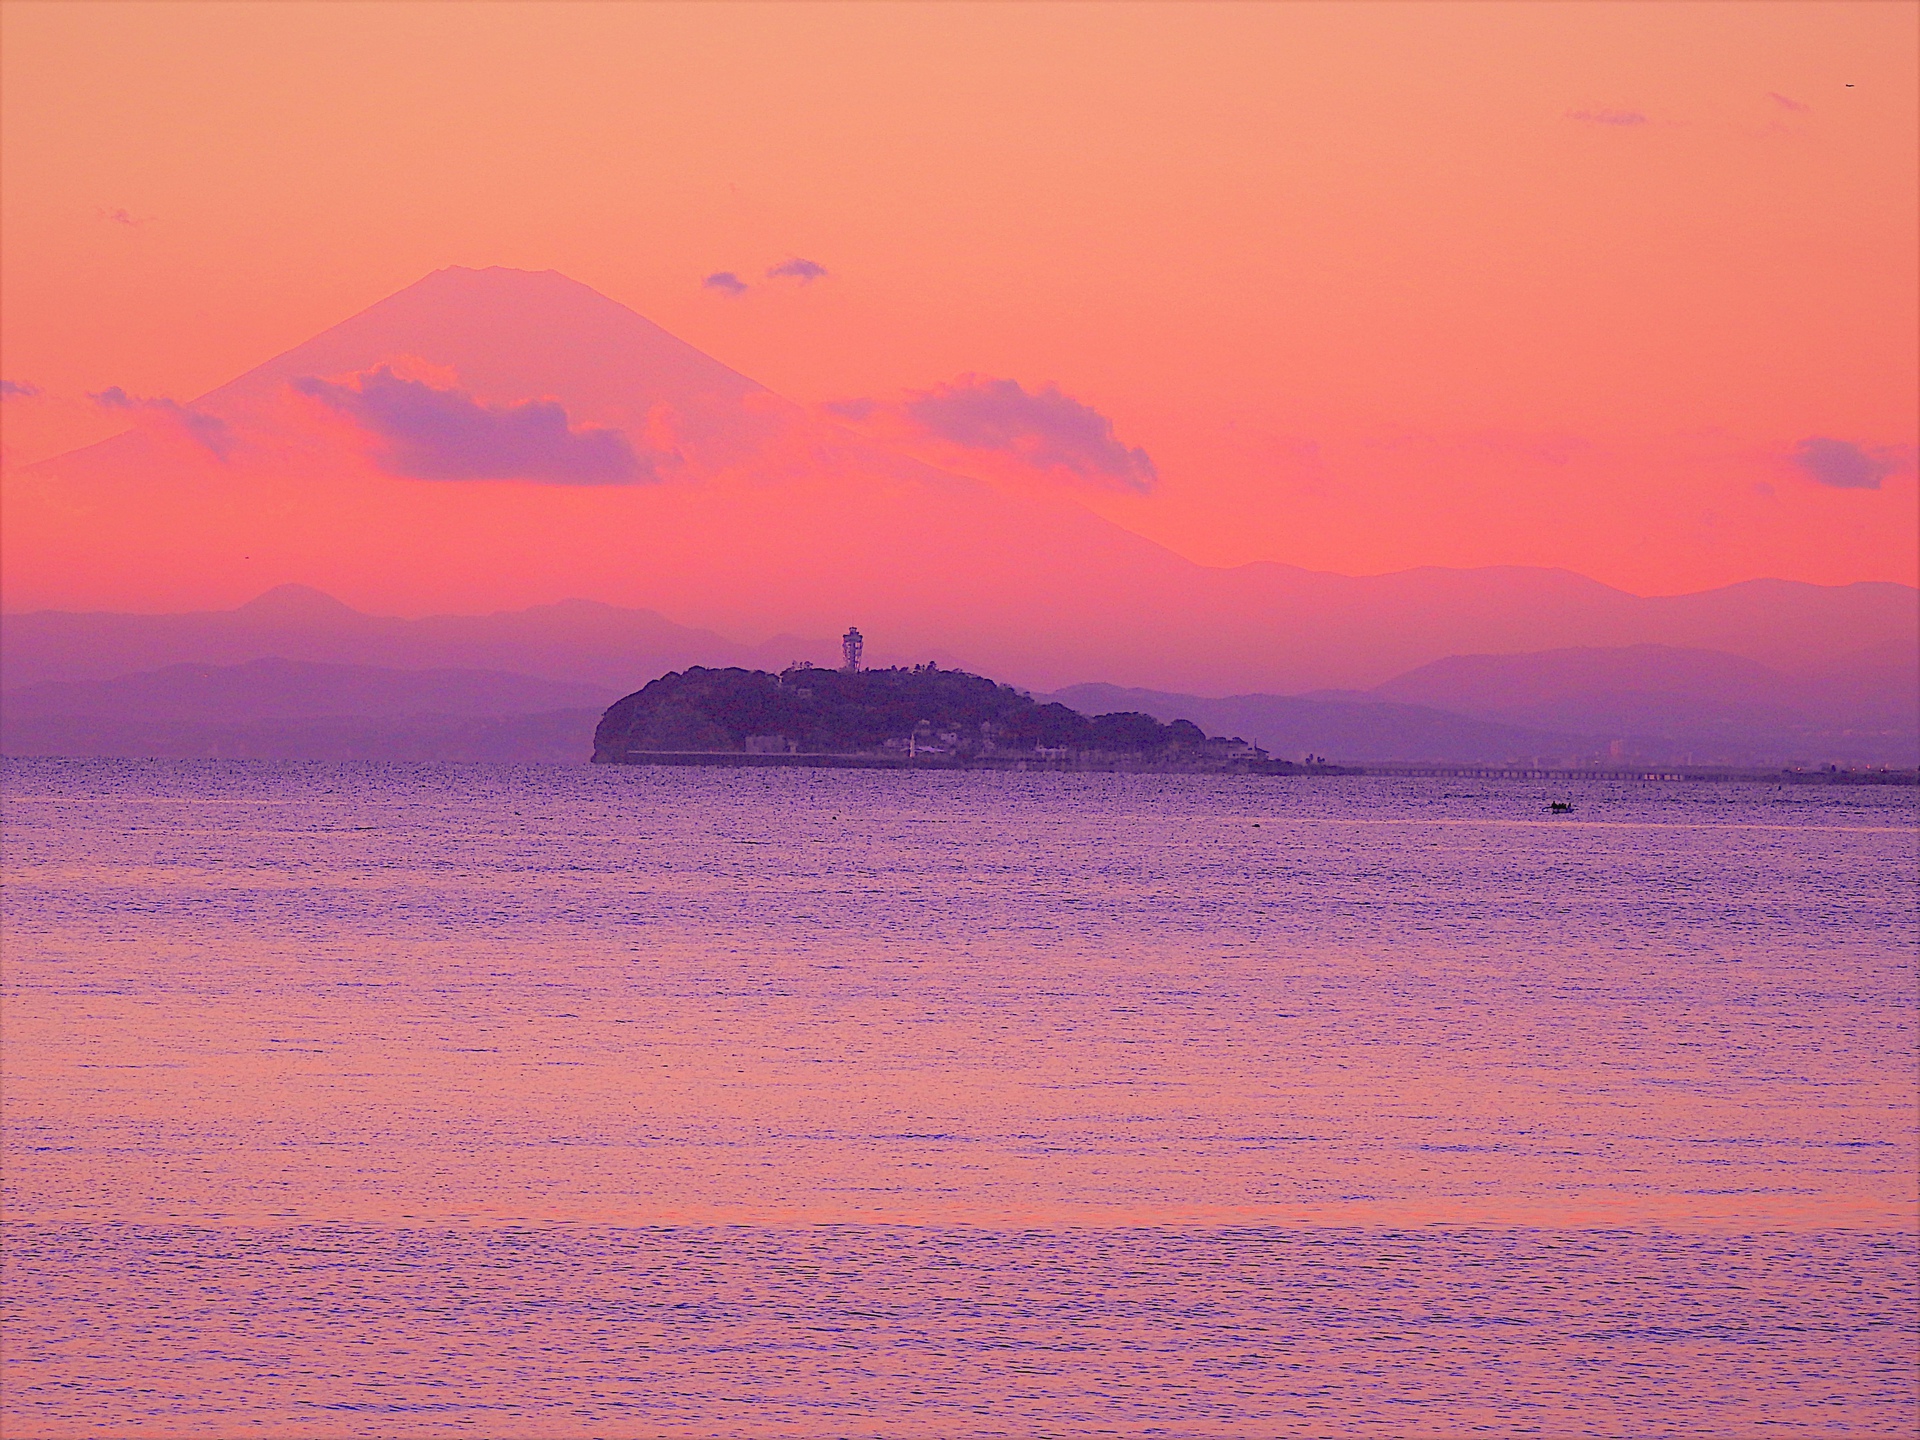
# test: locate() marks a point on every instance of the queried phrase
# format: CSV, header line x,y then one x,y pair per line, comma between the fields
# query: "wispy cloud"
x,y
122,217
1044,428
1787,103
18,390
427,433
209,431
1844,465
1608,116
726,282
805,271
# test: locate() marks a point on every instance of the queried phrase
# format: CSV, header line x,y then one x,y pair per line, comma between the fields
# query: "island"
x,y
918,718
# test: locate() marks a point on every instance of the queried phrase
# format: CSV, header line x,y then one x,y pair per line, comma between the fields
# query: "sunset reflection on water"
x,y
1089,1104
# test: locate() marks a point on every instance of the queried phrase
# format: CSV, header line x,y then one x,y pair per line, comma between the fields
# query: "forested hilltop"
x,y
925,711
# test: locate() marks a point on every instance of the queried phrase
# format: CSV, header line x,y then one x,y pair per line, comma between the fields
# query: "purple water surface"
x,y
416,1100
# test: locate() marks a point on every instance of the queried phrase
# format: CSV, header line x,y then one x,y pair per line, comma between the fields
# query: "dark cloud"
x,y
1785,103
856,409
805,271
1842,464
726,282
432,434
1608,117
1043,427
209,430
18,390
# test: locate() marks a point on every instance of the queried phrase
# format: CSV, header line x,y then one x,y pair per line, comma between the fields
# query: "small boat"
x,y
1561,807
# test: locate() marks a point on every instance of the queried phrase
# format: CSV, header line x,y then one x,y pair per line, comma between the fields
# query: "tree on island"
x,y
855,712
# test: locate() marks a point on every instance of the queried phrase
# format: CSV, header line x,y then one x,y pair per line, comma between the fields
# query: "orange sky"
x,y
1359,278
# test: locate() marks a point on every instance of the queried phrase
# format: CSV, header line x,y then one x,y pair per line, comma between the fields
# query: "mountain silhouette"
x,y
295,605
515,335
573,643
747,515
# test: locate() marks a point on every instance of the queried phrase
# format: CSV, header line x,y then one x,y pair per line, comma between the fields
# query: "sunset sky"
x,y
1628,289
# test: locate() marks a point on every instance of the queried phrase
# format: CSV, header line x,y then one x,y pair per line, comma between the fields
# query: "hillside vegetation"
x,y
841,712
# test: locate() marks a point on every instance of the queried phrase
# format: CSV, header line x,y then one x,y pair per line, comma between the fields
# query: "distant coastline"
x,y
1705,774
1083,763
739,760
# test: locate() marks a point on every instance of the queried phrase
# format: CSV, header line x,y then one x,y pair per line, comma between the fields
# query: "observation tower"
x,y
850,644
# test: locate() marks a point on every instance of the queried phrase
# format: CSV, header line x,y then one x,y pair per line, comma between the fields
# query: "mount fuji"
x,y
498,440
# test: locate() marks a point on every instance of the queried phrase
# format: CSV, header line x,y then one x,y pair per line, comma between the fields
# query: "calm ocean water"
x,y
423,1101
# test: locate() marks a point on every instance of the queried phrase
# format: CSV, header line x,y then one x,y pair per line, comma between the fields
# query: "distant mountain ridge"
x,y
277,689
1343,729
1813,633
1664,691
295,656
602,647
284,709
1588,705
277,709
549,737
765,515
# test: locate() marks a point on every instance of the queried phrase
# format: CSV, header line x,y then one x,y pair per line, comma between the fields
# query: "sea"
x,y
440,1100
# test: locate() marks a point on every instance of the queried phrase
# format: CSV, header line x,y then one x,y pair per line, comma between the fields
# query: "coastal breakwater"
x,y
1084,762
1708,774
1139,765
